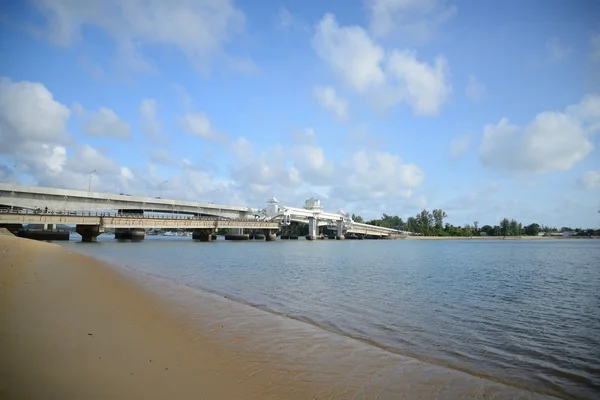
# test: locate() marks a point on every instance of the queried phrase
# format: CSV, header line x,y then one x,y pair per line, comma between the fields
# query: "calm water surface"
x,y
523,312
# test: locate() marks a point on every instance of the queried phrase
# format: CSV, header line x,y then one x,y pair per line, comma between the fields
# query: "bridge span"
x,y
92,223
32,197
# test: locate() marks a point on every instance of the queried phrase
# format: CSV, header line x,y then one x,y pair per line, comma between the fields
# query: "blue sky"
x,y
485,109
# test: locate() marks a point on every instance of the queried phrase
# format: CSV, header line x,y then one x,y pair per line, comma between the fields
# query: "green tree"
x,y
438,218
532,229
357,218
505,227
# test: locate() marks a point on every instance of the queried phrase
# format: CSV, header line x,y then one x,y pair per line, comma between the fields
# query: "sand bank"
x,y
73,327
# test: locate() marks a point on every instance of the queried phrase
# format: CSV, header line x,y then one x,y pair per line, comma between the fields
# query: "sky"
x,y
486,109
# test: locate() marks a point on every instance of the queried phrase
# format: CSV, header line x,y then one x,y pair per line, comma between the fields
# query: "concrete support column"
x,y
137,233
89,233
130,233
203,234
270,235
313,228
122,233
340,230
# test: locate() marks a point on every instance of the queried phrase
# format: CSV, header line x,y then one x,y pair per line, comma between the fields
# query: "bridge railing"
x,y
116,215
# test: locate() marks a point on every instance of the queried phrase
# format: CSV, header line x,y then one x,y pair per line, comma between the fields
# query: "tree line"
x,y
432,224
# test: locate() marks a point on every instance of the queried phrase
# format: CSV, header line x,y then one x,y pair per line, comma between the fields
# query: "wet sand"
x,y
71,326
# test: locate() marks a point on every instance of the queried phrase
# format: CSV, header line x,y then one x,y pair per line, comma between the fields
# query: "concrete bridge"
x,y
131,226
313,215
18,197
31,197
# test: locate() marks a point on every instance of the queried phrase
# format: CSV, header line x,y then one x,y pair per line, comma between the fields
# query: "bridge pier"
x,y
203,234
313,229
237,234
89,233
270,236
130,233
340,230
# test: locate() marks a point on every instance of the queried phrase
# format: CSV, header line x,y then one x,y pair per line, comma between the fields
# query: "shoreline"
x,y
100,326
501,238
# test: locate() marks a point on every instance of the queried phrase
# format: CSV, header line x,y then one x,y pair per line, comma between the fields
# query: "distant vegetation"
x,y
432,224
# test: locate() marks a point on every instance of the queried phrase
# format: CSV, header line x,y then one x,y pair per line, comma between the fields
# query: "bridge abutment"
x,y
89,233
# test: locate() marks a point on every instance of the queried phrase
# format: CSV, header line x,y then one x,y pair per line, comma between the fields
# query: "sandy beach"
x,y
73,327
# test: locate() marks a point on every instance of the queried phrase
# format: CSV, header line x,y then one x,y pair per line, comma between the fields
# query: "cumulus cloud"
x,y
33,127
18,102
329,100
389,77
305,169
591,180
552,141
418,19
198,28
378,174
198,124
475,89
105,123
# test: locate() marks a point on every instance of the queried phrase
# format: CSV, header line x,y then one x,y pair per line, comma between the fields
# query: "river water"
x,y
524,312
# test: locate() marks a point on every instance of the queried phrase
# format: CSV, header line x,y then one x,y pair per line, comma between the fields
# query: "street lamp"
x,y
160,187
90,182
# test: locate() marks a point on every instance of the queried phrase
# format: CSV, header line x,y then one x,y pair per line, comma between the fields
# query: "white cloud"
x,y
475,89
149,121
555,50
198,28
591,180
33,127
459,146
329,100
595,47
198,124
387,77
376,175
106,123
29,113
553,141
418,19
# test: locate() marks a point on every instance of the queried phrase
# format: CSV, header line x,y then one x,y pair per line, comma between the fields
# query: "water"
x,y
522,312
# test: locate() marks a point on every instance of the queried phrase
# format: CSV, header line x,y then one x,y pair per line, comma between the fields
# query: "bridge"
x,y
73,204
31,197
313,215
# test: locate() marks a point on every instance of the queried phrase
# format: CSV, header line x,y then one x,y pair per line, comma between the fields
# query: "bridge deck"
x,y
113,220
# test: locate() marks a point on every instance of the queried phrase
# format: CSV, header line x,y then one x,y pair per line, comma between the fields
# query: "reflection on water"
x,y
523,312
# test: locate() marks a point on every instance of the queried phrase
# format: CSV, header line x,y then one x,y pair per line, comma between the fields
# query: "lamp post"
x,y
160,187
90,181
